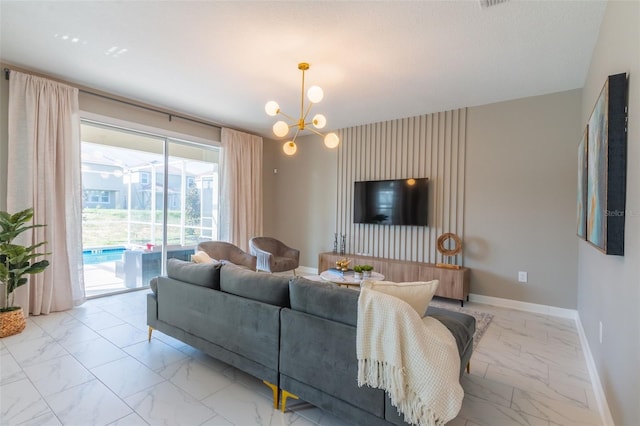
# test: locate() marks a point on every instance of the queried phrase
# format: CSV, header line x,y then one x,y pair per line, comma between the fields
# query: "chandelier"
x,y
281,128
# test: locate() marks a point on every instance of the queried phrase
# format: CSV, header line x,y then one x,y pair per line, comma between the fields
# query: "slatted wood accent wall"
x,y
431,146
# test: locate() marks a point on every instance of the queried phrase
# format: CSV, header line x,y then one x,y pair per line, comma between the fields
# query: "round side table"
x,y
348,280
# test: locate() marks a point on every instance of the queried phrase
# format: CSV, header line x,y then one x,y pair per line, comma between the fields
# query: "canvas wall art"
x,y
607,167
582,186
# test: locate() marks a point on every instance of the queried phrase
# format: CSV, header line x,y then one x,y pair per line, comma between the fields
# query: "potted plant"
x,y
16,261
357,272
366,270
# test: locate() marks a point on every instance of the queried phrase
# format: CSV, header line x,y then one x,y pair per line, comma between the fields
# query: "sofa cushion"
x,y
202,274
324,300
154,285
260,286
461,325
418,294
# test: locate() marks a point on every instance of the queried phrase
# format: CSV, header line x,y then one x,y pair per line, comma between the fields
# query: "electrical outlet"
x,y
600,333
522,277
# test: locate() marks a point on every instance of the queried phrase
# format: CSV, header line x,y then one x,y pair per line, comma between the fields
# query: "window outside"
x,y
124,191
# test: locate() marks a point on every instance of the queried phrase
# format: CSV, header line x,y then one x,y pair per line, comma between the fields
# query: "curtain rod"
x,y
7,71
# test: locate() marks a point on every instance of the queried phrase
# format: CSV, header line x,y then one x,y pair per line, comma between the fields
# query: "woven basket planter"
x,y
11,323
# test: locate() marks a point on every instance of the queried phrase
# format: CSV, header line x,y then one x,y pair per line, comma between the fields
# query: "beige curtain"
x,y
241,165
44,173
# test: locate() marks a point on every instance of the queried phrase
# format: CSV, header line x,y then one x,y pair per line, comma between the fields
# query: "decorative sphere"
x,y
289,148
272,108
331,140
319,121
280,129
315,94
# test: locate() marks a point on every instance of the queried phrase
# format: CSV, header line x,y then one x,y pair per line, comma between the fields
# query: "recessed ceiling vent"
x,y
488,3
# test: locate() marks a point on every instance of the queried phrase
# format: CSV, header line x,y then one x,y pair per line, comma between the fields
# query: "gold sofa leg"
x,y
150,331
285,395
275,389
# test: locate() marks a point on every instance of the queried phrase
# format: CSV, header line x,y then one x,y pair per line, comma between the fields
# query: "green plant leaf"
x,y
17,260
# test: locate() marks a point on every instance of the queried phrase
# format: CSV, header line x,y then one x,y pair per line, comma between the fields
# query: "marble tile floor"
x,y
93,366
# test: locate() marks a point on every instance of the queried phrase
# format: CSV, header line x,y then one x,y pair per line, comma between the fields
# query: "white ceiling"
x,y
221,61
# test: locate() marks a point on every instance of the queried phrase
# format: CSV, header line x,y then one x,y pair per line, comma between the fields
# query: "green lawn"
x,y
108,227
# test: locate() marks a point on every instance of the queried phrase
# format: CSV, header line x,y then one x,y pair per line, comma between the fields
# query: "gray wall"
x,y
521,198
609,286
4,139
300,200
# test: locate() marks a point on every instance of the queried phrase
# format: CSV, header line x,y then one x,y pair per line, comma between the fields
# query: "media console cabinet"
x,y
454,283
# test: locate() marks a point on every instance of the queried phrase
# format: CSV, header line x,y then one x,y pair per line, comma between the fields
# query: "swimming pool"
x,y
101,255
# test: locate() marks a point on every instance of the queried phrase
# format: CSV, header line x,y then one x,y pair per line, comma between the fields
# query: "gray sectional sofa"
x,y
226,311
297,335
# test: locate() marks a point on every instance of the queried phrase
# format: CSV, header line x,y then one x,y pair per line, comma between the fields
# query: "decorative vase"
x,y
357,275
366,274
12,322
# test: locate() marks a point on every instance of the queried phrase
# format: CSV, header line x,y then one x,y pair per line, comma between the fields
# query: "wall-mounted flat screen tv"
x,y
391,202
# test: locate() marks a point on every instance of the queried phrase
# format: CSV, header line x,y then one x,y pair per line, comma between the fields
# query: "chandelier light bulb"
x,y
331,140
289,148
272,108
315,94
319,121
280,129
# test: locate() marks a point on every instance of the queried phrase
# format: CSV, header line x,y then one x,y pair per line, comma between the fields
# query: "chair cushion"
x,y
202,274
202,257
418,294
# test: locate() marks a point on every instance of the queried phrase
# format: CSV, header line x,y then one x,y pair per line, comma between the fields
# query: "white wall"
x,y
609,286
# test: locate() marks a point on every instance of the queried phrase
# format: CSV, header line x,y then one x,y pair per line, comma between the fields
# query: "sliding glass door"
x,y
145,198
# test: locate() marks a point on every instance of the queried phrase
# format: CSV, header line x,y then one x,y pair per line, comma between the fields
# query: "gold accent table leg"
x,y
274,388
469,367
285,395
150,331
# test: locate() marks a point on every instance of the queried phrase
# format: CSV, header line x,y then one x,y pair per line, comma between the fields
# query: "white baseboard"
x,y
524,306
300,270
601,400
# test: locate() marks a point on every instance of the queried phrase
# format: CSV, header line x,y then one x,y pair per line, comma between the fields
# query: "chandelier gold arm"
x,y
303,66
287,115
296,135
304,117
311,129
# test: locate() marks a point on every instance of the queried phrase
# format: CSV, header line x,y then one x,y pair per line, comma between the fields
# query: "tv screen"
x,y
391,202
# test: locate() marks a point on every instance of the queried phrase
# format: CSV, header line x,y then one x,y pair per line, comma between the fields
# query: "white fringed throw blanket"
x,y
415,360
